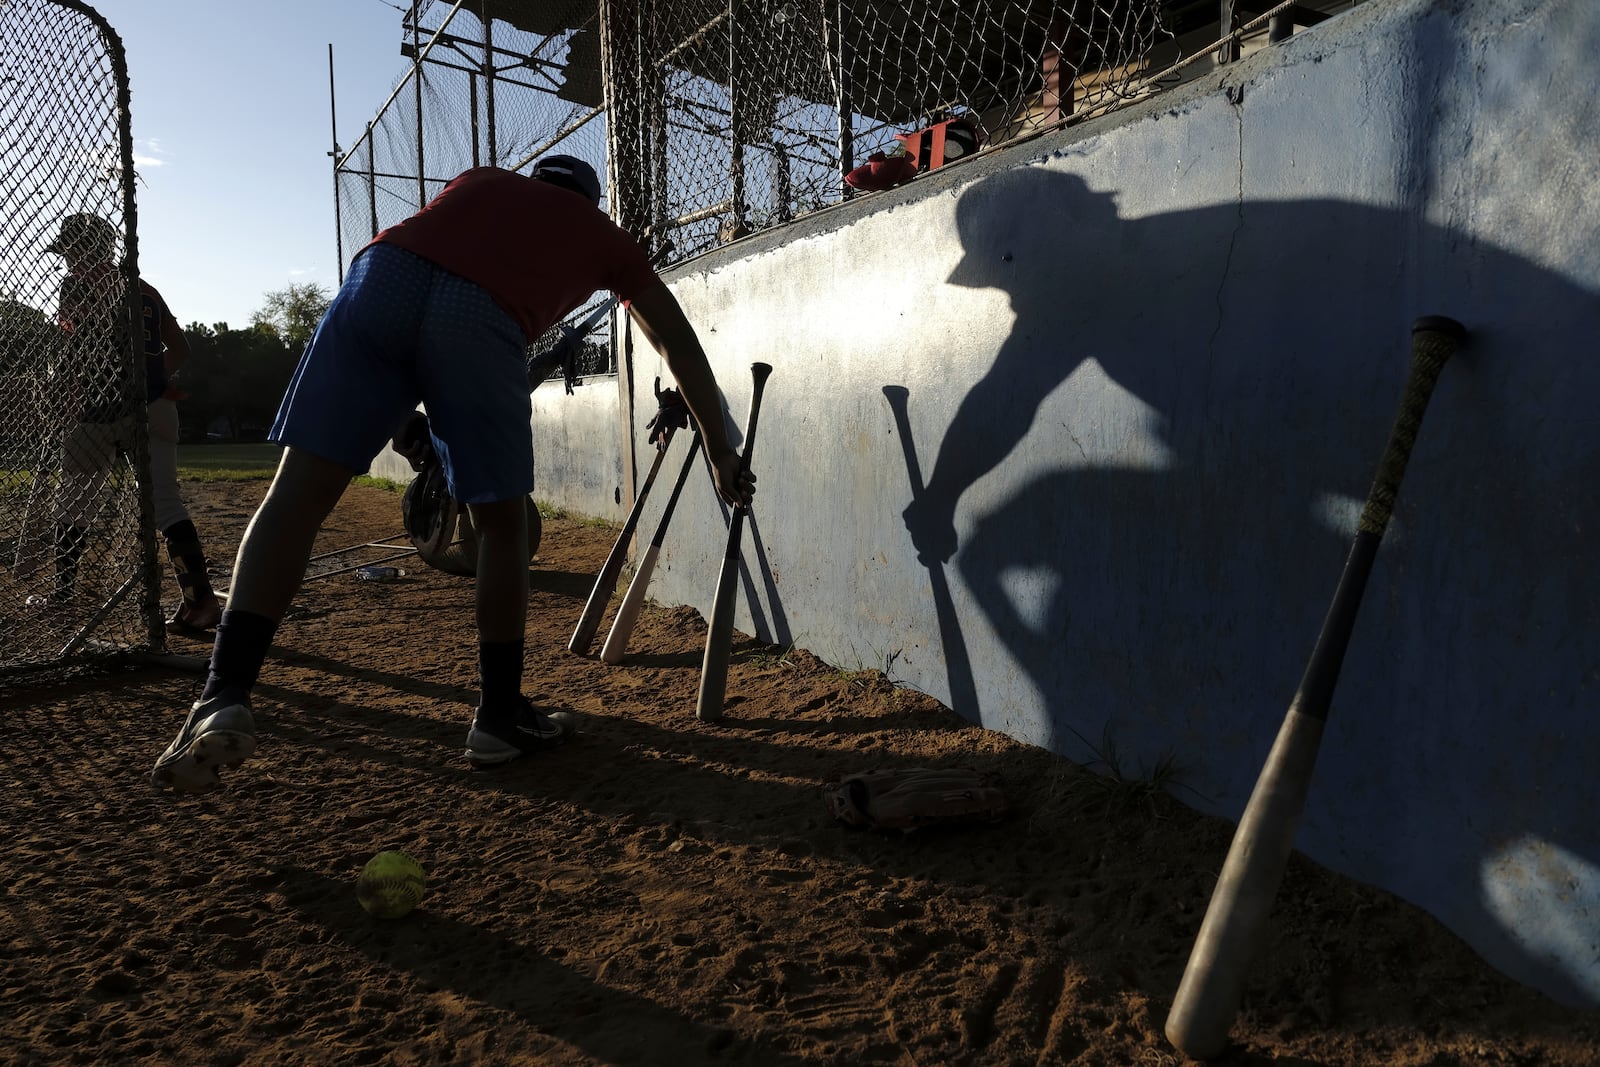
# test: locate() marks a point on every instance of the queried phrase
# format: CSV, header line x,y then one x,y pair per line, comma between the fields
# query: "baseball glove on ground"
x,y
915,798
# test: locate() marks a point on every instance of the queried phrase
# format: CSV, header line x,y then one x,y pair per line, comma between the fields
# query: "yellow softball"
x,y
390,885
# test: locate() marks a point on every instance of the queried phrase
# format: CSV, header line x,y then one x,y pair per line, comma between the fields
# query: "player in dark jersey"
x,y
440,309
95,383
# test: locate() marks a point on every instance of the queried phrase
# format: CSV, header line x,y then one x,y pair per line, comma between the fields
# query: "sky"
x,y
232,127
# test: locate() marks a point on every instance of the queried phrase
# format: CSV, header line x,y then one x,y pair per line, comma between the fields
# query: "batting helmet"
x,y
569,172
89,236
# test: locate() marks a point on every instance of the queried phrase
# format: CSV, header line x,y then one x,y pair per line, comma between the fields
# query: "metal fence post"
x,y
842,59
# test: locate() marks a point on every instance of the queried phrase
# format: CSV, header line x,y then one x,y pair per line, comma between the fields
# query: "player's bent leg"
x,y
166,496
505,731
502,580
219,731
277,544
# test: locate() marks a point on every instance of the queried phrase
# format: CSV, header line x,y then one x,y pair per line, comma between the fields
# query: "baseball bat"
x,y
1208,996
35,544
719,636
616,645
606,582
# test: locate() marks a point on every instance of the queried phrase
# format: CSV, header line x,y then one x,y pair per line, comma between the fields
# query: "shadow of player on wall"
x,y
1172,442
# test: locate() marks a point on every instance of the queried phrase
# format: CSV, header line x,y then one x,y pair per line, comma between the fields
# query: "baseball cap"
x,y
569,172
85,233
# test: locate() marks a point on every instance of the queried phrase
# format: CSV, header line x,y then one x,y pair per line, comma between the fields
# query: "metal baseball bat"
x,y
1208,996
719,637
616,645
35,544
606,582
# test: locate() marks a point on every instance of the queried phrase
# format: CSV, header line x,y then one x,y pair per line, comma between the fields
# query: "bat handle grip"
x,y
758,378
1434,339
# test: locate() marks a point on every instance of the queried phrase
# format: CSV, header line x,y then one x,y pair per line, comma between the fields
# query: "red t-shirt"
x,y
538,249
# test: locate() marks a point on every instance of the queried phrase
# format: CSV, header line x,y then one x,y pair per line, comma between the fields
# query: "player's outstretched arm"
x,y
665,326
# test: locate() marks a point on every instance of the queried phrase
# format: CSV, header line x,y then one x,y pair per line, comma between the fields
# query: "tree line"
x,y
235,378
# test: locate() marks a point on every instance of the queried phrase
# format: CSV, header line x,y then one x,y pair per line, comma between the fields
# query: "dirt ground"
x,y
662,891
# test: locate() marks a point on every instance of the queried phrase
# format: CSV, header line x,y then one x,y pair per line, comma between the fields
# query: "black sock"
x,y
241,647
188,560
500,674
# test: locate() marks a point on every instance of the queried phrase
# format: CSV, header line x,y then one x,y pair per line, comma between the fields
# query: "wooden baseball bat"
x,y
719,637
616,645
1230,934
606,582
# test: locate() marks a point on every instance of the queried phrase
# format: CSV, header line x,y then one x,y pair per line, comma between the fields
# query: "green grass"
x,y
1123,787
227,463
248,463
379,483
773,656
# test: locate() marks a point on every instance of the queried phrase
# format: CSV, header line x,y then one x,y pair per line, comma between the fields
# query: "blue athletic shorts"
x,y
402,331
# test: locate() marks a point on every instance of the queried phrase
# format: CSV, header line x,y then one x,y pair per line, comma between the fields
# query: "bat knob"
x,y
1441,324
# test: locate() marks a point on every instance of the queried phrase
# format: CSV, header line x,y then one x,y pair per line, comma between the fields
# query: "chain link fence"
x,y
726,117
80,581
732,116
721,118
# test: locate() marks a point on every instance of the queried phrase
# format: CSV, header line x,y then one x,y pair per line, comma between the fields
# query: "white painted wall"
x,y
1149,366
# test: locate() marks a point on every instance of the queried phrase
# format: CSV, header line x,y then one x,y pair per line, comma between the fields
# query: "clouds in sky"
x,y
148,153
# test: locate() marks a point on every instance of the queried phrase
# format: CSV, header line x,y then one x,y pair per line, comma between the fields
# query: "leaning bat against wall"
x,y
719,636
1213,982
616,645
606,582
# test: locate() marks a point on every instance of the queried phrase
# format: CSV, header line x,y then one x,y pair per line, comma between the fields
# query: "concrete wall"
x,y
1147,368
577,449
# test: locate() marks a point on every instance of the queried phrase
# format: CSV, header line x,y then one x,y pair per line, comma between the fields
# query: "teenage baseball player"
x,y
440,309
96,389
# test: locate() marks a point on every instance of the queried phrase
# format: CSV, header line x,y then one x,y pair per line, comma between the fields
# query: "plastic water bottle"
x,y
379,574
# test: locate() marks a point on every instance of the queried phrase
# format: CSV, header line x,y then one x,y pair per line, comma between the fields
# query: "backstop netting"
x,y
80,582
714,119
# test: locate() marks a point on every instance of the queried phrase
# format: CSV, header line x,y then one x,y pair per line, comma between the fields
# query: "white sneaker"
x,y
218,733
493,741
